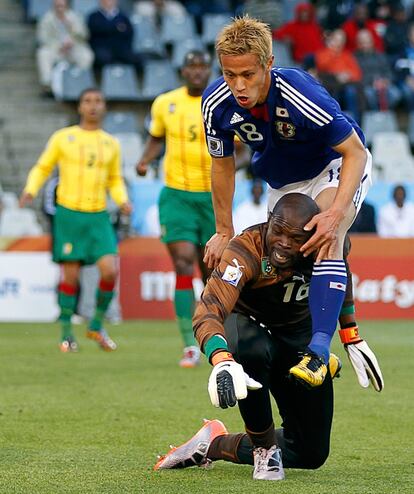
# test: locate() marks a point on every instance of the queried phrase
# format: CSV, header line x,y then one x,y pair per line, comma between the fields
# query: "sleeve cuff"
x,y
216,342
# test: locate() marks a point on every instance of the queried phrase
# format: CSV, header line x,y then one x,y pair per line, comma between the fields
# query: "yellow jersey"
x,y
89,165
177,116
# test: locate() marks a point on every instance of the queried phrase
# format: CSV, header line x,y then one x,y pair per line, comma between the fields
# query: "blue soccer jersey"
x,y
291,134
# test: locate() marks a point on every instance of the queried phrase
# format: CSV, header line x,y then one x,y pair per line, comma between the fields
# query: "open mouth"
x,y
243,100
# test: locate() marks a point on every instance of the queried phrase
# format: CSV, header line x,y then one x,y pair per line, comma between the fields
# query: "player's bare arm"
x,y
222,187
328,221
152,150
25,199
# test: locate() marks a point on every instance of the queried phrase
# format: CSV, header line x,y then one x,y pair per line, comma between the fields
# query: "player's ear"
x,y
269,63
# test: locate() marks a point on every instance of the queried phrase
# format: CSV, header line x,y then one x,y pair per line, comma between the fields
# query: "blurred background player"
x,y
89,166
185,206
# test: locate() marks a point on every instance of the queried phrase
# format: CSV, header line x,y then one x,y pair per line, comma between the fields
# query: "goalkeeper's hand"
x,y
228,382
362,358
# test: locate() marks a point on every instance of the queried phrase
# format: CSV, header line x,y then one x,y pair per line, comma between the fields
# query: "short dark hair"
x,y
190,56
304,206
88,90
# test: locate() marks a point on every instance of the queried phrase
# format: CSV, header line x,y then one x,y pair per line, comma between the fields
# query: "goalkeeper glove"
x,y
362,358
228,382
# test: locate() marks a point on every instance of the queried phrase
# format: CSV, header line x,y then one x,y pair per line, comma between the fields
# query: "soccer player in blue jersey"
x,y
301,142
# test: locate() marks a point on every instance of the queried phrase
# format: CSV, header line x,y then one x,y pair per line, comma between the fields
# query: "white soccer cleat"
x,y
191,357
268,464
194,451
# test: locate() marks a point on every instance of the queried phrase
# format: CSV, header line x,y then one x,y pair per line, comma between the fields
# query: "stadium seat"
x,y
131,149
120,122
120,83
74,81
37,8
181,48
147,40
177,28
85,7
281,51
212,25
16,222
391,156
159,77
411,128
378,121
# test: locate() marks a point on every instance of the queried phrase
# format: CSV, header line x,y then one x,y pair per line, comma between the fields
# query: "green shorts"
x,y
186,216
84,237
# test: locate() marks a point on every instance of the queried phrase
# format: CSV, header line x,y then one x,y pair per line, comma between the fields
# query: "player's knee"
x,y
315,459
252,354
184,266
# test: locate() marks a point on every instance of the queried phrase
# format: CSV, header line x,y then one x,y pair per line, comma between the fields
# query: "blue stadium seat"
x,y
177,28
74,81
283,57
120,83
378,121
212,24
159,77
116,122
181,48
132,145
84,7
147,40
37,8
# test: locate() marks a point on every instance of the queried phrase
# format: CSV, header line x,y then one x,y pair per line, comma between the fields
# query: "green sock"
x,y
184,308
67,296
103,299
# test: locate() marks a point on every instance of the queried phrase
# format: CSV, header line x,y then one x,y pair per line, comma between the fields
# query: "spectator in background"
x,y
334,14
303,33
339,72
404,68
396,219
396,33
377,78
381,9
111,35
269,11
156,9
62,36
253,210
365,222
360,20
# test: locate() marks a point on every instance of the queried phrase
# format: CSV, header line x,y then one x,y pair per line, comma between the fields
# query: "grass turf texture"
x,y
93,422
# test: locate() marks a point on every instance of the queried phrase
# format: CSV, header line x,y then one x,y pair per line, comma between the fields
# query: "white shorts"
x,y
329,177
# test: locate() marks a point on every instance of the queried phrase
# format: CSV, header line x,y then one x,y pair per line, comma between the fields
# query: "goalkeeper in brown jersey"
x,y
253,324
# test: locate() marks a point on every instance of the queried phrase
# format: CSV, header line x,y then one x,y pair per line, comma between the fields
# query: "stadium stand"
x,y
177,28
181,48
146,39
120,83
391,154
74,81
159,76
212,25
378,121
116,122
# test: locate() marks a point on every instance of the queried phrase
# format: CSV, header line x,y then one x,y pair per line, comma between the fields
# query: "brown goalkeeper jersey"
x,y
245,282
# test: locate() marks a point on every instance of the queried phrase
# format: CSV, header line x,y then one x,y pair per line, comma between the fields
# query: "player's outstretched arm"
x,y
228,382
362,358
222,188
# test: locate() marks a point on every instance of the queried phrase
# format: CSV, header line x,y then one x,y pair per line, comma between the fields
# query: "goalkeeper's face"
x,y
285,236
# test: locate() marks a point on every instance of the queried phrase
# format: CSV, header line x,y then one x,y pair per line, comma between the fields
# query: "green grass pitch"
x,y
94,422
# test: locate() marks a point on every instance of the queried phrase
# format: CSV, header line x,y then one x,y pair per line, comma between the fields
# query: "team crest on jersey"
x,y
215,146
71,137
171,108
67,248
233,274
268,270
285,129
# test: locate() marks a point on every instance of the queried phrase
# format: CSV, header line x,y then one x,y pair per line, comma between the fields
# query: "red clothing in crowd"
x,y
305,37
351,28
333,62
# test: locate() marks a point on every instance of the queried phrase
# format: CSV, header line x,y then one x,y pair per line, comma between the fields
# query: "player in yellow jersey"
x,y
89,161
185,206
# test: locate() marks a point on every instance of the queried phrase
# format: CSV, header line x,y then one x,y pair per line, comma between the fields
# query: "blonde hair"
x,y
246,35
